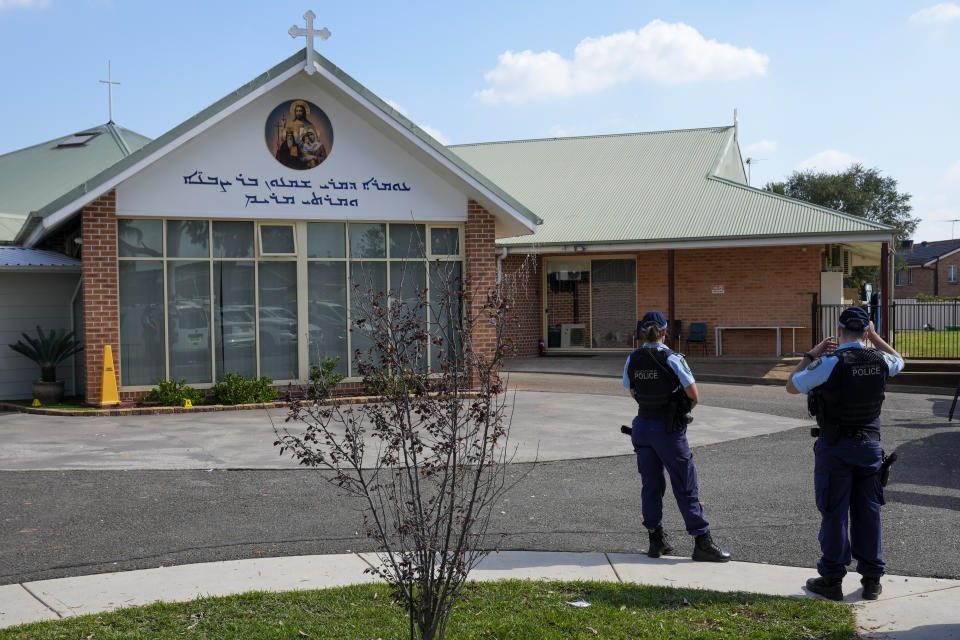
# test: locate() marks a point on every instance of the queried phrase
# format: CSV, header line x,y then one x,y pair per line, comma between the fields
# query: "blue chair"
x,y
697,334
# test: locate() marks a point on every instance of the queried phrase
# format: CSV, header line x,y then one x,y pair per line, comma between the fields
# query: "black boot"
x,y
871,588
659,545
704,550
831,588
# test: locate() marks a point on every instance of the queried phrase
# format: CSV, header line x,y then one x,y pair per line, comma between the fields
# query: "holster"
x,y
885,467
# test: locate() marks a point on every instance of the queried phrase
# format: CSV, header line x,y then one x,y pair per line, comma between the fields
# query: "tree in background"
x,y
860,192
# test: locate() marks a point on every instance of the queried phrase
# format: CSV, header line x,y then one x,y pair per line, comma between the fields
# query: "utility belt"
x,y
852,433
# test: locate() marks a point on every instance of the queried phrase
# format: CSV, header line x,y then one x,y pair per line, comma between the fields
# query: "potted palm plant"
x,y
48,350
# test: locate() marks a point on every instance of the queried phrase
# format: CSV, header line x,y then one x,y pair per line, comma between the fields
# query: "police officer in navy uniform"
x,y
657,378
846,385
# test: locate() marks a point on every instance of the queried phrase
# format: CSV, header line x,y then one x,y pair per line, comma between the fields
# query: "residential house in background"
x,y
931,268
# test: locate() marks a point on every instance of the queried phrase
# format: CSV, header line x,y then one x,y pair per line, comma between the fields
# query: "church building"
x,y
231,243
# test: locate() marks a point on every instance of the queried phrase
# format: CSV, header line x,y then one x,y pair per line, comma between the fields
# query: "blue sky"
x,y
817,84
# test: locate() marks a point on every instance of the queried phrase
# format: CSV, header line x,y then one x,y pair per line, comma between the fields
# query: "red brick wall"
x,y
923,280
762,286
481,269
922,283
101,311
525,326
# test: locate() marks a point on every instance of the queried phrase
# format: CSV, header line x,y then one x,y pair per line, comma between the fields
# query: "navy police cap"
x,y
654,317
854,319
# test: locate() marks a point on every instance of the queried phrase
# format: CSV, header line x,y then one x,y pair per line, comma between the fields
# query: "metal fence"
x,y
928,330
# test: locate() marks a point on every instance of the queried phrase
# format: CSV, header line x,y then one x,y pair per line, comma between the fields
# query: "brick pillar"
x,y
101,310
481,269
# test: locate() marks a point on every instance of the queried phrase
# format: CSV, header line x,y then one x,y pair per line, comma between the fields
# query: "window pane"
x,y
372,280
278,320
141,322
446,315
444,242
277,239
368,240
407,241
140,238
233,318
327,293
613,299
187,239
408,280
188,317
232,239
326,240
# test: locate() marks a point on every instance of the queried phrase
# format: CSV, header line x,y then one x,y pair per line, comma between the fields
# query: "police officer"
x,y
657,378
846,384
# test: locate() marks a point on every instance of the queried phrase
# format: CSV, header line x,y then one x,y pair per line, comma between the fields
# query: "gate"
x,y
922,330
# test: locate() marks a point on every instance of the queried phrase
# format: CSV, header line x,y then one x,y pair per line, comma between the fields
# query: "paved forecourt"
x,y
544,426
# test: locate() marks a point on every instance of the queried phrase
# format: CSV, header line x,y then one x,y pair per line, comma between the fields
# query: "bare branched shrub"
x,y
428,458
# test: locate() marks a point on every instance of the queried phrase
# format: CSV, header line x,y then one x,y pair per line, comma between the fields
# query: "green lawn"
x,y
507,610
928,344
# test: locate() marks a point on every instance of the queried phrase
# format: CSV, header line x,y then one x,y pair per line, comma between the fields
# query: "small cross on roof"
x,y
309,32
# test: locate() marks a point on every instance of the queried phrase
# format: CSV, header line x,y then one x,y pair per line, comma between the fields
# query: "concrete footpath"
x,y
909,608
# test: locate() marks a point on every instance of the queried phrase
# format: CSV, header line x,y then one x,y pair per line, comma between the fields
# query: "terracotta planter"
x,y
48,392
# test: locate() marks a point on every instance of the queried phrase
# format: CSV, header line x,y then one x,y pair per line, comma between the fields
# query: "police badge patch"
x,y
686,367
814,364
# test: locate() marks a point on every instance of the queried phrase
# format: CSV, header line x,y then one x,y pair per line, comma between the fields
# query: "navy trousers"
x,y
848,490
657,450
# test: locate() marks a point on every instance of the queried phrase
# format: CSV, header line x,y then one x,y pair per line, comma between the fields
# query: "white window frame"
x,y
300,235
951,273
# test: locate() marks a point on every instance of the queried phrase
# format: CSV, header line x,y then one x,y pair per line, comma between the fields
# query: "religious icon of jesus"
x,y
299,134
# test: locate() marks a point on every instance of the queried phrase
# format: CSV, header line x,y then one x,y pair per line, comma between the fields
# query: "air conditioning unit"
x,y
839,259
573,335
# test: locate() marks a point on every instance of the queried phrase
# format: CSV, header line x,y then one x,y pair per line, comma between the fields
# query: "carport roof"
x,y
655,187
18,258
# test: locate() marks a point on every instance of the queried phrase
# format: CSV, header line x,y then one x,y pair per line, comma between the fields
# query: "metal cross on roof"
x,y
309,32
110,82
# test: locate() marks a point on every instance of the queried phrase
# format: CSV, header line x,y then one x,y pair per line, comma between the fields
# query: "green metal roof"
x,y
30,178
96,183
685,185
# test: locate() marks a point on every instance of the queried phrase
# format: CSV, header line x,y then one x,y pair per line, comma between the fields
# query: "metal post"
x,y
814,331
885,291
671,296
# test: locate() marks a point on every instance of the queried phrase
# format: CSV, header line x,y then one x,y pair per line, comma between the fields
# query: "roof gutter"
x,y
708,243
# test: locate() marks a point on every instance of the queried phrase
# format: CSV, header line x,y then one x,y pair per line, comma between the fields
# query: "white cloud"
x,y
437,135
762,146
829,160
660,52
937,14
953,173
23,4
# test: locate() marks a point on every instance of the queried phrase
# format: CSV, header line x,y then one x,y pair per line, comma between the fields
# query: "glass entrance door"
x,y
567,312
591,303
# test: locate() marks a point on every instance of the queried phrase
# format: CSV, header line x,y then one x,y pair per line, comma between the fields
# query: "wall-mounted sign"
x,y
298,134
717,288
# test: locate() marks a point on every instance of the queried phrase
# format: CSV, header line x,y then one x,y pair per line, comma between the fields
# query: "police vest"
x,y
852,396
653,382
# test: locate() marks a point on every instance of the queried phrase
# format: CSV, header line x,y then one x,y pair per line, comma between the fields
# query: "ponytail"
x,y
652,333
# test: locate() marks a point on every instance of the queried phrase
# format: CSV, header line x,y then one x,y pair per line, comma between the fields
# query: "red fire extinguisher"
x,y
543,348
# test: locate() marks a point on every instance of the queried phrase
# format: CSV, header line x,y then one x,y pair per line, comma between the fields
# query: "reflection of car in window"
x,y
278,325
189,330
237,326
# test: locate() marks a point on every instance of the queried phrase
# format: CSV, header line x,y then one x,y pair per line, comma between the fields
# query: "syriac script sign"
x,y
285,191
